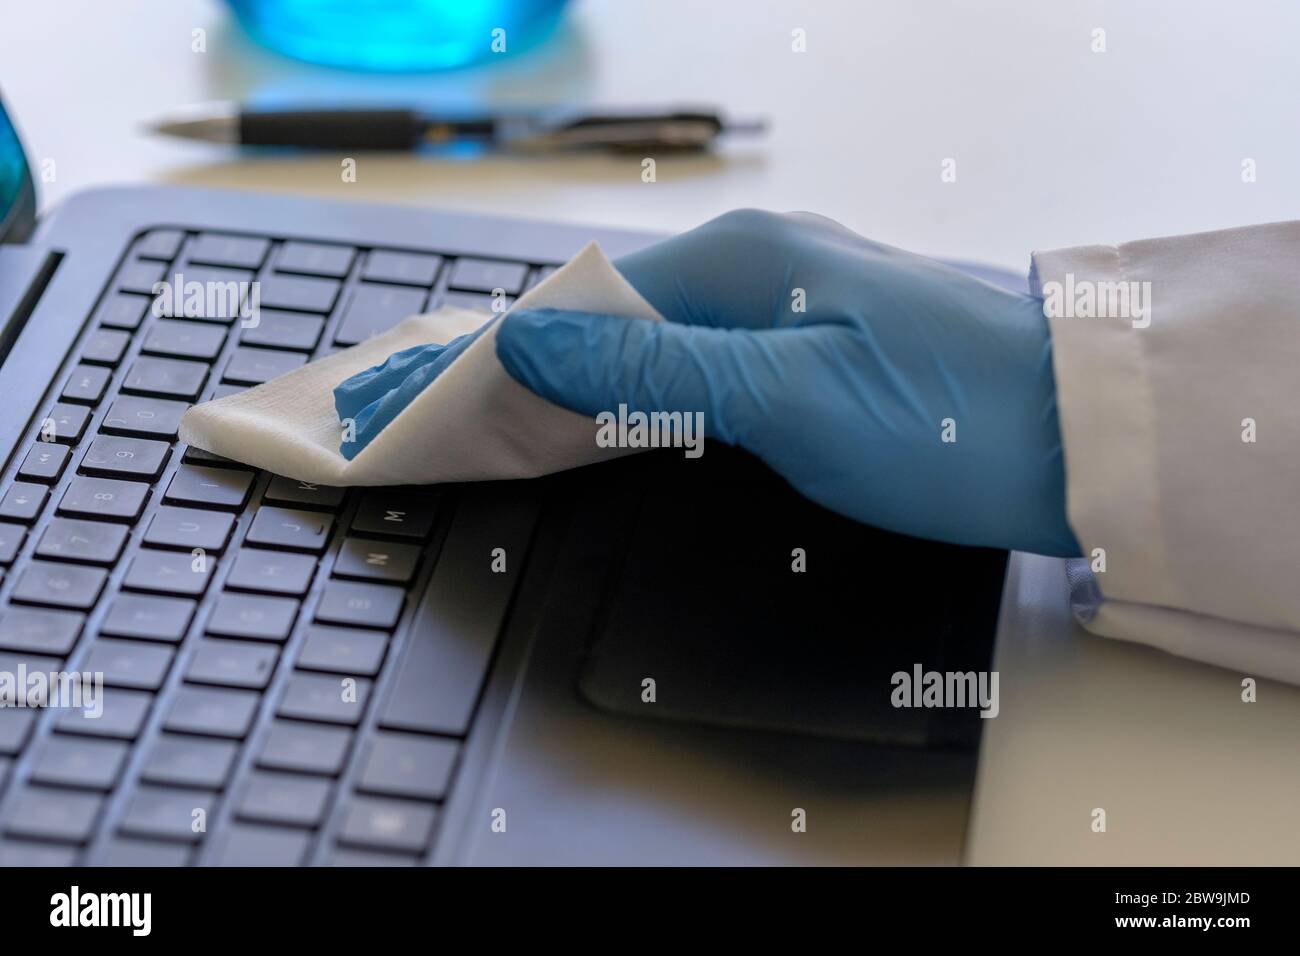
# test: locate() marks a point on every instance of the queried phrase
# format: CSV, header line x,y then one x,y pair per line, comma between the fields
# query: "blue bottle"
x,y
397,35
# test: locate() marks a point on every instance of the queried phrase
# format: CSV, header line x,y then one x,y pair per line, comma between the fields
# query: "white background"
x,y
1055,145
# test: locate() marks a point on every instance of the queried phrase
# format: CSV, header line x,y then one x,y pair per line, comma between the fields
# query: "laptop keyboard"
x,y
290,670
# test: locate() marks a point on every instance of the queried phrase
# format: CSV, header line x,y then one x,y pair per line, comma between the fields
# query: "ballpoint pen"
x,y
409,129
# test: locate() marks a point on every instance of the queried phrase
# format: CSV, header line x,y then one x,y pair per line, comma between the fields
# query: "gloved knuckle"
x,y
751,224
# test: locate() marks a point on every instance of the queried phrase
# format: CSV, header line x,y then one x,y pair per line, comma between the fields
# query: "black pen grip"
x,y
333,129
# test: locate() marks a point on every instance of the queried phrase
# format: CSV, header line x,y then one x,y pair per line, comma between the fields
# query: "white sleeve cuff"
x,y
1177,367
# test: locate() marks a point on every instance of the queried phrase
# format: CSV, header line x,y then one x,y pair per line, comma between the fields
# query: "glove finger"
x,y
371,419
593,363
355,393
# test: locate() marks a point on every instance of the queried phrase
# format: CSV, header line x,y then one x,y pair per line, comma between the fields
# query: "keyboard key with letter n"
x,y
454,632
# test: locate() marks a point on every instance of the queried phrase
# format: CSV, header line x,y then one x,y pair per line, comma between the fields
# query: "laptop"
x,y
684,661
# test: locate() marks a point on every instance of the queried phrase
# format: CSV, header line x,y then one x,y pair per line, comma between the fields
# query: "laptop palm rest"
x,y
741,604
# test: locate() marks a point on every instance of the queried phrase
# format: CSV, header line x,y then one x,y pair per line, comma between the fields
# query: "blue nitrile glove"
x,y
372,399
851,399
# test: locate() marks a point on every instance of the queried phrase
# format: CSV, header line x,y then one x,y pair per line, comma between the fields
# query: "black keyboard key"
x,y
146,417
283,330
402,268
253,617
224,488
485,275
122,717
140,276
23,501
543,273
233,664
299,293
59,585
290,528
208,293
121,311
165,378
224,390
198,762
162,244
403,765
278,572
395,514
330,700
80,762
105,347
65,423
476,301
86,384
169,572
255,366
212,712
254,845
187,340
166,814
373,309
116,456
289,491
107,498
363,605
199,456
34,663
15,727
315,259
138,854
20,853
133,664
460,616
387,824
189,528
240,252
377,560
342,650
71,539
305,748
148,618
11,540
65,816
44,462
40,630
285,799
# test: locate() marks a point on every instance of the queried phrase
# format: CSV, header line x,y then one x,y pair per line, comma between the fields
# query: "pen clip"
x,y
677,132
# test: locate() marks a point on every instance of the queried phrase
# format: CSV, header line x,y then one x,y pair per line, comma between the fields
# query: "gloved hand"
x,y
905,394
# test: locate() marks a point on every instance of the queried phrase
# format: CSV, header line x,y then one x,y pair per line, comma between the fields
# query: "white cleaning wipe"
x,y
473,422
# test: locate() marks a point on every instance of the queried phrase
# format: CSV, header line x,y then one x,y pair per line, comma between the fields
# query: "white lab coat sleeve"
x,y
1180,419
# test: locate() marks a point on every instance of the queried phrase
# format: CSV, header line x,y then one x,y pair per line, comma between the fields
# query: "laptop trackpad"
x,y
748,606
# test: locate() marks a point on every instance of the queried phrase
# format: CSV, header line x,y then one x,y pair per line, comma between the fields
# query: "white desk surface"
x,y
1054,144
